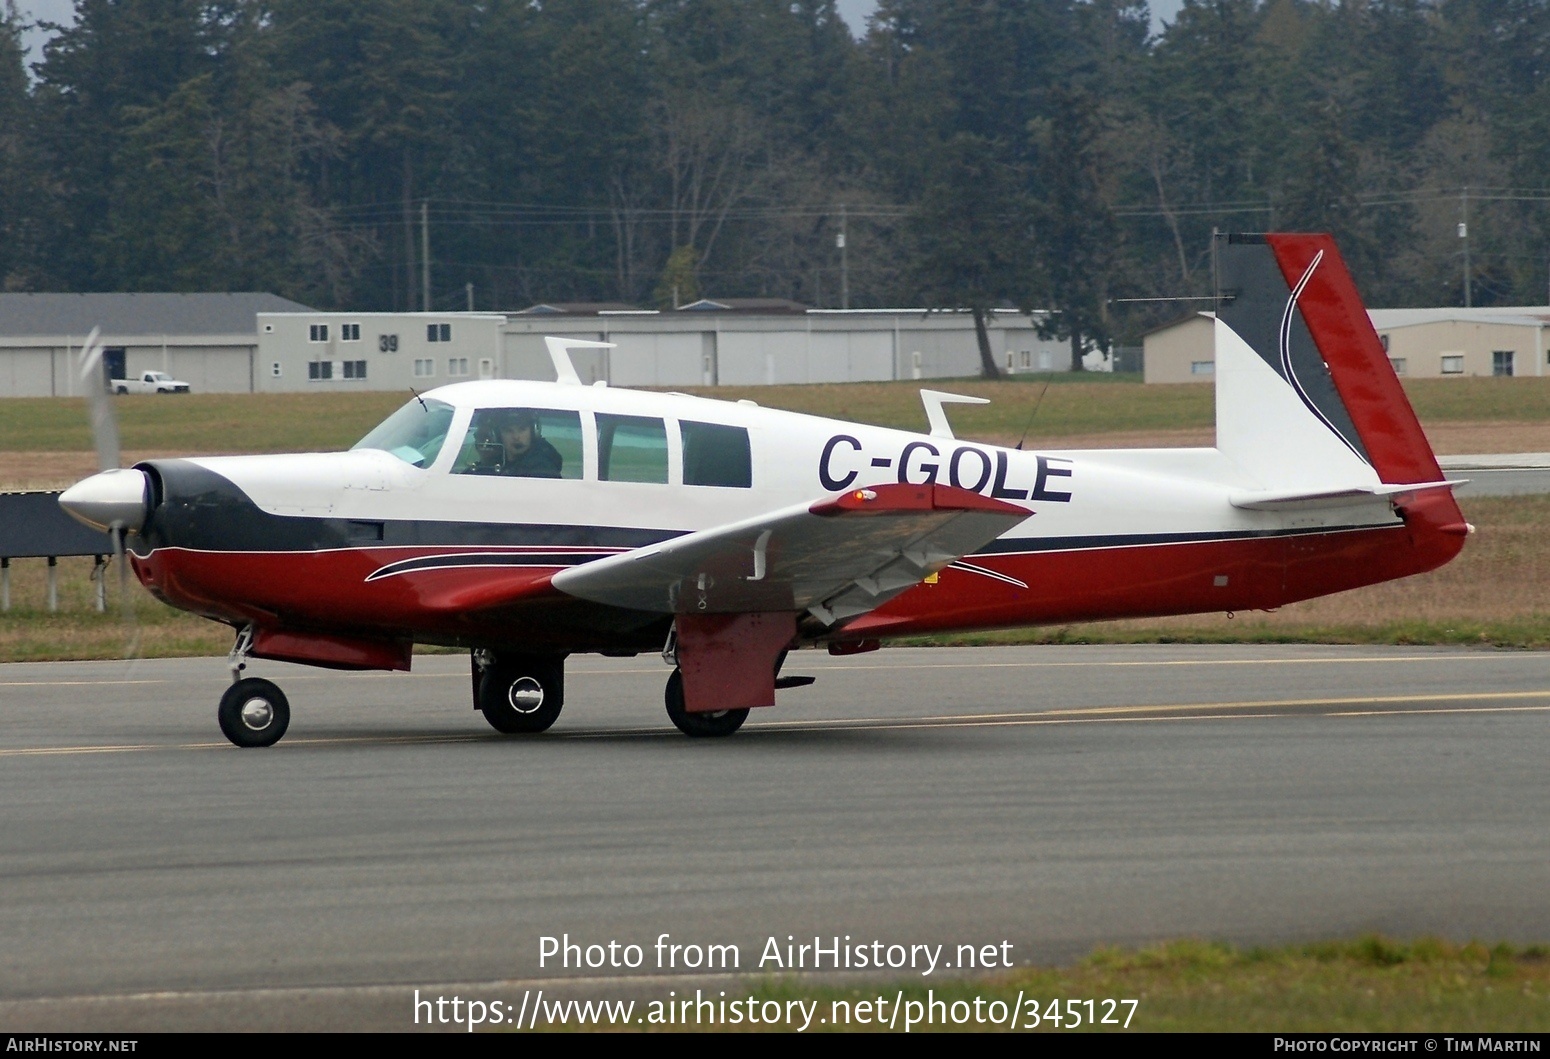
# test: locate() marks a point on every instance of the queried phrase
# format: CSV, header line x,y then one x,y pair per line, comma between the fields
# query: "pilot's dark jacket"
x,y
541,460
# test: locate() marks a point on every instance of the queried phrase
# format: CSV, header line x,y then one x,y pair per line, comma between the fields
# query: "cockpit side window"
x,y
716,455
522,443
415,433
631,449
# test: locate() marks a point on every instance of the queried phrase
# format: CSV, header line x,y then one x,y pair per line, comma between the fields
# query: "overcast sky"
x,y
854,12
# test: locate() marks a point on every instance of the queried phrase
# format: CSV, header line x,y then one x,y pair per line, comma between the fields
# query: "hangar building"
x,y
727,342
1421,343
207,340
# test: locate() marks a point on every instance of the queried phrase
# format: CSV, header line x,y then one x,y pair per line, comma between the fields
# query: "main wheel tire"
x,y
521,696
254,712
698,725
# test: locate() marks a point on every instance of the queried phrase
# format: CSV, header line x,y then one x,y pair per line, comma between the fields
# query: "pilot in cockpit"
x,y
511,443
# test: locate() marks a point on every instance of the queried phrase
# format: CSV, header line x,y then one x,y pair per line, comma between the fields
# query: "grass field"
x,y
1084,405
1494,595
1370,985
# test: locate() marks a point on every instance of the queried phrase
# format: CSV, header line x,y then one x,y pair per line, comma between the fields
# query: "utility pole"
x,y
1464,235
839,241
425,255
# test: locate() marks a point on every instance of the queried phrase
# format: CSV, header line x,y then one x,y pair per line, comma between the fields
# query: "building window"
x,y
320,369
349,332
424,367
1453,364
438,332
274,369
317,333
355,369
1501,362
1025,358
1202,367
1398,364
457,367
387,343
1385,340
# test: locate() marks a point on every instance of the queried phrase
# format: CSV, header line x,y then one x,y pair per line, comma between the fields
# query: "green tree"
x,y
21,203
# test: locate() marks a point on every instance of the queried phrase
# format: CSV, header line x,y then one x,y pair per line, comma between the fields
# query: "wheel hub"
x,y
526,695
257,714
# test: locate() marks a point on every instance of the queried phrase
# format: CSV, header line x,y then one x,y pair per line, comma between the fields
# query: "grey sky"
x,y
854,12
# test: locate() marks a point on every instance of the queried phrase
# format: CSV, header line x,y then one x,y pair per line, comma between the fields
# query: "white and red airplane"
x,y
528,521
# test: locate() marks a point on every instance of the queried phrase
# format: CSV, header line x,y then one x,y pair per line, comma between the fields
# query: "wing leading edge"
x,y
835,558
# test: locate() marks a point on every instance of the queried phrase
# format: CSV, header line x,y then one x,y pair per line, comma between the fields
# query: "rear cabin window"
x,y
631,449
716,455
522,443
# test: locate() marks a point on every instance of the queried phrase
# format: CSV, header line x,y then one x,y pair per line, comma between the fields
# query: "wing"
x,y
835,557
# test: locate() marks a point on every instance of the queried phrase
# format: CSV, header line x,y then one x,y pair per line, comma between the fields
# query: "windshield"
x,y
414,433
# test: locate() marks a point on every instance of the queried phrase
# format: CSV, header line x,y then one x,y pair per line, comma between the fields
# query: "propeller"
x,y
112,500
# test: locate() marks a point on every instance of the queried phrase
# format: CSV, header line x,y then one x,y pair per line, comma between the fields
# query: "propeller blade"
x,y
126,609
104,425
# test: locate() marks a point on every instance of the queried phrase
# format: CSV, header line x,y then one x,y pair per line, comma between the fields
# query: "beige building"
x,y
1421,343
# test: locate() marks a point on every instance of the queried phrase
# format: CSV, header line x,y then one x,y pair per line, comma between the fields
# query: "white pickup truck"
x,y
150,382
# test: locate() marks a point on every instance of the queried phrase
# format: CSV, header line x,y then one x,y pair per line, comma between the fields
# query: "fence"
x,y
34,526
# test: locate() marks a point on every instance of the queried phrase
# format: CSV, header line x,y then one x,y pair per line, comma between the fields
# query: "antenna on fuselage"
x,y
559,352
1038,401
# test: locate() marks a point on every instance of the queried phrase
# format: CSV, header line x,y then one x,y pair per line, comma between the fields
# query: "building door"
x,y
112,365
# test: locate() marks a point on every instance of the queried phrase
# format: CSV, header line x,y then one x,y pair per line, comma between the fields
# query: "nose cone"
x,y
111,498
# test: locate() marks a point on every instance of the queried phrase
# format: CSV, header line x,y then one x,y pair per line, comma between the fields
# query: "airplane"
x,y
726,535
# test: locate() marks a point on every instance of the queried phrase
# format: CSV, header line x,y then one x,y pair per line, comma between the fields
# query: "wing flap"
x,y
837,557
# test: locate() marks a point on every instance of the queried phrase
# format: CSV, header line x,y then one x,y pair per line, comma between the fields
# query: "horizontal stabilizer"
x,y
1330,498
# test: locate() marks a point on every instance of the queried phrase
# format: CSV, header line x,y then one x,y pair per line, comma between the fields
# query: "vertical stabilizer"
x,y
1306,395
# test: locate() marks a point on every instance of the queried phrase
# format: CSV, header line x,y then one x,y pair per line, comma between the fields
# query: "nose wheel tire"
x,y
522,696
254,712
698,725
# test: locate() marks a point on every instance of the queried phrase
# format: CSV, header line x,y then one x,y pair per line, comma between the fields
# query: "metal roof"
x,y
1518,315
139,314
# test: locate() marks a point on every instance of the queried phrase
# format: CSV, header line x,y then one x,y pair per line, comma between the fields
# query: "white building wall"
x,y
651,359
25,373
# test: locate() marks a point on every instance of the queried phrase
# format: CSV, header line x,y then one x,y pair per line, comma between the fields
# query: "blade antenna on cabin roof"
x,y
1049,377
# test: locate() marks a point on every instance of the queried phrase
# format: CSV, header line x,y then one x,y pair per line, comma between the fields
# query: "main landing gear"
x,y
254,712
698,725
519,694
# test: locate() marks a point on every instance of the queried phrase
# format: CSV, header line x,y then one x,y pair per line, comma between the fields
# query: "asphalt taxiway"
x,y
1057,798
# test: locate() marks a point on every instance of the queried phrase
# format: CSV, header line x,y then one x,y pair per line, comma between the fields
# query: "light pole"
x,y
1464,235
839,241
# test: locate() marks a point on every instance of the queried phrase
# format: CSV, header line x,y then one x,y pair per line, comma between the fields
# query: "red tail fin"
x,y
1396,446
